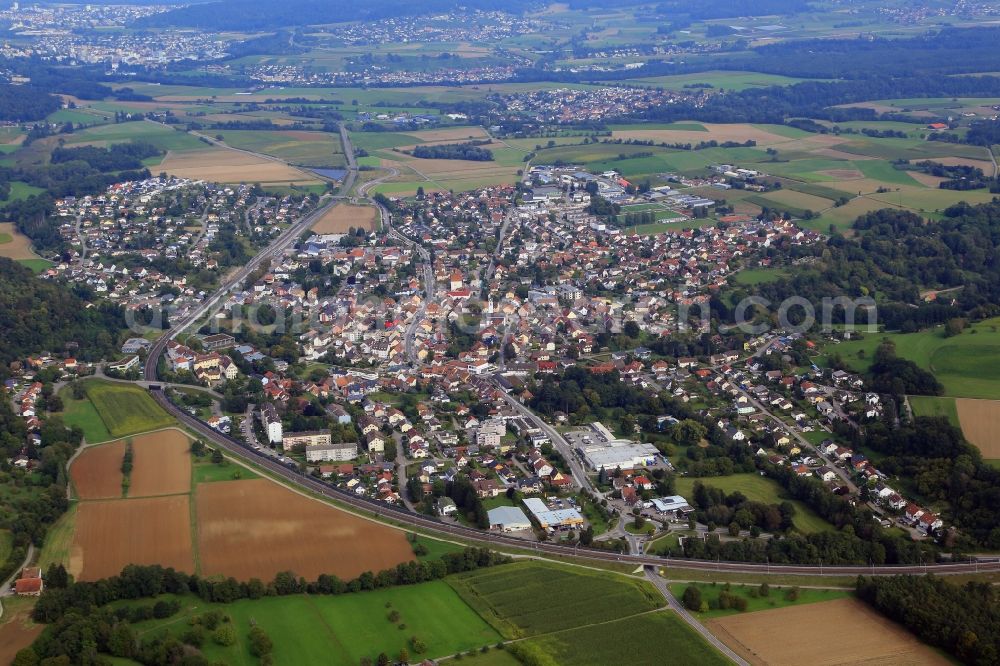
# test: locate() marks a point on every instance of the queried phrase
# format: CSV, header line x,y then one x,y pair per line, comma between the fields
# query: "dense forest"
x,y
26,103
961,619
37,316
117,157
895,255
454,151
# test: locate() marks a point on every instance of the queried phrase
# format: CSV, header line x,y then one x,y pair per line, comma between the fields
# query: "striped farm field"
x,y
126,409
529,598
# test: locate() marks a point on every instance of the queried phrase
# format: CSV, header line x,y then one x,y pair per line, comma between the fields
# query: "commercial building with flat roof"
x,y
618,453
671,503
508,519
551,518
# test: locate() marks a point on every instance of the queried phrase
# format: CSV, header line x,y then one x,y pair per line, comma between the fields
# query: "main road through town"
x,y
430,525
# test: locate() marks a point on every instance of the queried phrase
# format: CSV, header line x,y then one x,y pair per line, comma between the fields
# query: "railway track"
x,y
408,518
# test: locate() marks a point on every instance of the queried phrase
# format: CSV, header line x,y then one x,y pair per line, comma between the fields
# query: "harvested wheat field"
x,y
232,166
796,635
110,534
19,245
256,528
926,179
980,421
734,132
451,134
97,471
342,217
161,464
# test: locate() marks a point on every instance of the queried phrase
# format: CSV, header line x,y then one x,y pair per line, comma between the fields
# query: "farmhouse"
x,y
508,519
325,452
30,584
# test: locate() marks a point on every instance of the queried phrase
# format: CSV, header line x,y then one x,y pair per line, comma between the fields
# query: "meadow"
x,y
340,630
125,409
760,489
162,136
528,598
83,414
316,149
968,364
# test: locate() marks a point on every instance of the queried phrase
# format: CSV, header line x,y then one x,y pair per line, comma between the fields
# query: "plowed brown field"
x,y
256,528
96,472
161,464
341,218
830,633
980,421
110,534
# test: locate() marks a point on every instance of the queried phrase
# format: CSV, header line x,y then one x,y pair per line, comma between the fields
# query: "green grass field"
x,y
208,472
342,629
529,598
19,191
776,597
924,405
654,638
759,489
125,409
754,276
968,364
59,539
35,265
82,413
161,136
317,149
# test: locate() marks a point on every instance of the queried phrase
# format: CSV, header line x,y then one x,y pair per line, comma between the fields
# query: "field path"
x,y
5,591
661,586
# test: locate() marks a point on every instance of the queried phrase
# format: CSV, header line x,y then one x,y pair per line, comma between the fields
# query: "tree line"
x,y
82,625
453,151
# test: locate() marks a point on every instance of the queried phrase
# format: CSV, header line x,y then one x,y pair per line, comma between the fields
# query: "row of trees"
x,y
453,151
